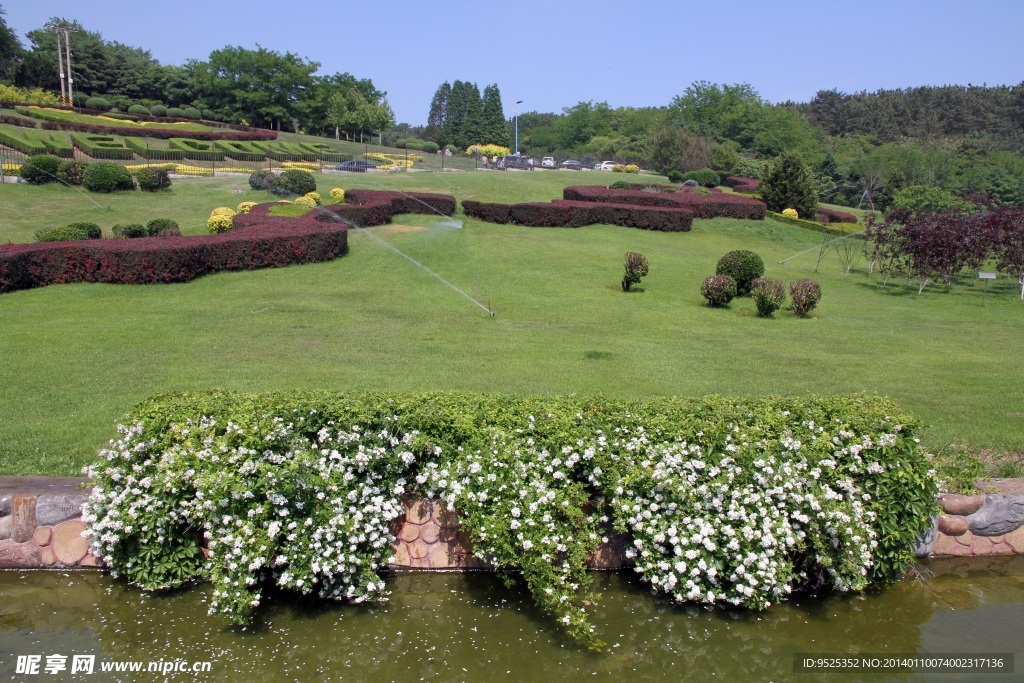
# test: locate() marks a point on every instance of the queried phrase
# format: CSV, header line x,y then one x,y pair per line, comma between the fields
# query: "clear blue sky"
x,y
554,53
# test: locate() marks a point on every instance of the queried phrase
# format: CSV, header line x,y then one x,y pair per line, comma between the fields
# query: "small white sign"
x,y
986,276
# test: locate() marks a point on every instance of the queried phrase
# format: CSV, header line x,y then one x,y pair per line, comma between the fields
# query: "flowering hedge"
x,y
734,500
703,206
570,214
259,241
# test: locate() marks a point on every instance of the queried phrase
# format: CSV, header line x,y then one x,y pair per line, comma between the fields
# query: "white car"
x,y
604,166
547,162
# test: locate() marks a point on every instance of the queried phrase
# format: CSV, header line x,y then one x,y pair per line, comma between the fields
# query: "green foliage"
x,y
429,147
72,171
70,232
192,113
153,178
924,199
705,176
293,182
636,267
718,290
743,266
676,176
138,109
40,169
98,103
728,500
805,295
768,295
176,113
619,185
106,176
262,179
158,110
789,184
163,227
129,230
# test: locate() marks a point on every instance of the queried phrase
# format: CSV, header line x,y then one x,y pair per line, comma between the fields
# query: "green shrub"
x,y
294,182
192,113
804,295
158,110
162,227
705,177
790,184
72,171
209,114
429,146
676,176
718,290
768,295
175,112
40,169
121,103
453,149
262,179
743,266
619,185
106,176
636,268
153,178
98,103
70,233
138,109
129,230
924,199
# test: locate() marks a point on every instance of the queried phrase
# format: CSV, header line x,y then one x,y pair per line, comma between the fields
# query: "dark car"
x,y
521,163
354,166
571,165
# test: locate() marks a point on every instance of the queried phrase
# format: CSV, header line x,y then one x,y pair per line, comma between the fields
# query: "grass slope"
x,y
76,357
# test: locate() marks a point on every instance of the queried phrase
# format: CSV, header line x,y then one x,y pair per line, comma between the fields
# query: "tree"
x,y
90,64
495,128
172,85
127,70
789,184
674,149
437,115
11,50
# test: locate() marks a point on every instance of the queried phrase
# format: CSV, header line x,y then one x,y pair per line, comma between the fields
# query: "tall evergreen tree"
x,y
473,128
90,66
455,113
495,126
437,114
11,51
789,184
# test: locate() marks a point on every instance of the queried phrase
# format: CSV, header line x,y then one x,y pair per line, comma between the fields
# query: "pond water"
x,y
470,627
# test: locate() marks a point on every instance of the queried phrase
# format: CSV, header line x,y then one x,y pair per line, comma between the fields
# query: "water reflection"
x,y
470,627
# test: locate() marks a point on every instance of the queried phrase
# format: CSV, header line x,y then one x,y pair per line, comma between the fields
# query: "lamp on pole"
x,y
516,113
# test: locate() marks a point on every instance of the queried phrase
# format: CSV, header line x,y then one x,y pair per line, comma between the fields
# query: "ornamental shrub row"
x,y
197,150
263,241
563,213
743,184
727,500
703,206
160,133
34,142
100,146
148,150
833,216
239,151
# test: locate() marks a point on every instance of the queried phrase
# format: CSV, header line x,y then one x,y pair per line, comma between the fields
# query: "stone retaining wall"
x,y
41,528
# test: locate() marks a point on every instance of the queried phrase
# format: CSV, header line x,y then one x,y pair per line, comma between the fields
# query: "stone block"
x,y
944,545
409,532
68,543
447,519
5,504
982,546
999,546
998,515
401,555
957,504
23,517
419,511
429,533
924,546
953,525
5,527
90,560
52,509
47,556
14,555
418,550
1015,539
42,535
440,556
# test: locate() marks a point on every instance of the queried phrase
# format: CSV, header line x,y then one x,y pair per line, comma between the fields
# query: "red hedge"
x,y
259,241
703,206
833,216
159,133
572,214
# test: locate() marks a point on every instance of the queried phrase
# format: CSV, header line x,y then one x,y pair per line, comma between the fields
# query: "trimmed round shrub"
x,y
295,182
632,168
153,179
619,185
40,169
176,112
430,147
743,266
70,233
705,177
675,176
305,202
337,195
121,103
244,207
130,230
790,213
768,295
98,103
804,295
718,290
453,149
209,114
106,176
163,227
72,171
192,113
220,220
158,110
138,109
315,196
262,179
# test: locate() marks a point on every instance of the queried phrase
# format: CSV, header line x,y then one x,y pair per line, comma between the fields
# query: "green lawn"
x,y
76,357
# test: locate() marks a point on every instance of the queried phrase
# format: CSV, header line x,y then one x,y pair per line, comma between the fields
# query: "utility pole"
x,y
59,30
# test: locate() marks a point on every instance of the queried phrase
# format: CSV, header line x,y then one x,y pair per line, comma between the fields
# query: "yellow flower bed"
x,y
12,169
489,150
302,165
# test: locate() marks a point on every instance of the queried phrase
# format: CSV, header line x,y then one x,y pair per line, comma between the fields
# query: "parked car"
x,y
354,166
604,166
572,165
547,162
521,163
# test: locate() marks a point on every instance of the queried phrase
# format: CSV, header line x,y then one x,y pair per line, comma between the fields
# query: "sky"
x,y
553,54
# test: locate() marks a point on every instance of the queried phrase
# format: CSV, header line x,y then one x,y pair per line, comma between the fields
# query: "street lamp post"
x,y
517,126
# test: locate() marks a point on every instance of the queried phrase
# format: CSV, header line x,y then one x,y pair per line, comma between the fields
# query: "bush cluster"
x,y
826,215
562,213
153,178
705,177
293,183
158,110
716,204
743,184
72,171
163,227
220,220
40,169
768,295
675,176
718,290
262,179
106,176
98,103
728,500
743,266
138,109
70,232
804,296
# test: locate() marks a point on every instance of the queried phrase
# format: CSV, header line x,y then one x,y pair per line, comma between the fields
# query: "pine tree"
x,y
455,114
436,117
789,184
495,127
